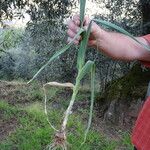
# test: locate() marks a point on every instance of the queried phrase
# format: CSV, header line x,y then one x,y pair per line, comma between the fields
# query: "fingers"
x,y
95,29
72,34
76,42
86,20
73,28
76,20
74,25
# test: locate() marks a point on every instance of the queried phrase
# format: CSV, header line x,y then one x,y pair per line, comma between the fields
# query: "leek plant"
x,y
60,138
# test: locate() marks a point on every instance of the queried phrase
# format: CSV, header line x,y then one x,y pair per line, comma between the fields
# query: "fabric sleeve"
x,y
147,38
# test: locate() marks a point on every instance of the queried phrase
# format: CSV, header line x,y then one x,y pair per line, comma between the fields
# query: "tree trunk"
x,y
123,98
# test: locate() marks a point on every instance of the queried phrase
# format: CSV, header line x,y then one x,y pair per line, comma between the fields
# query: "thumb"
x,y
95,29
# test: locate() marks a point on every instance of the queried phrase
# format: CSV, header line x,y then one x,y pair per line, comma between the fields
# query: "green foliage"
x,y
126,140
6,110
44,37
36,9
83,48
10,38
126,85
33,131
82,11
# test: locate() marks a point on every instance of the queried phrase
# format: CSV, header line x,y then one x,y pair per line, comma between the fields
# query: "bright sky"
x,y
91,9
18,22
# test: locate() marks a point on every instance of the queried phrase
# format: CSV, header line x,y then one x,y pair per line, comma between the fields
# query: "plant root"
x,y
59,141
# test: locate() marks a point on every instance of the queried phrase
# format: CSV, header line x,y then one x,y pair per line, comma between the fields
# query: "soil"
x,y
7,127
12,93
19,92
15,93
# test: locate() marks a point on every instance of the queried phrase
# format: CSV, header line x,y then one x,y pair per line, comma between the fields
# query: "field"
x,y
23,124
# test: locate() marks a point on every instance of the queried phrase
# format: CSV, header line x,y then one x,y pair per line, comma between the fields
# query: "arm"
x,y
119,46
115,45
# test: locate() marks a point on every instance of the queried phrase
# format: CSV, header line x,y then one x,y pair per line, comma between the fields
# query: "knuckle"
x,y
72,25
68,31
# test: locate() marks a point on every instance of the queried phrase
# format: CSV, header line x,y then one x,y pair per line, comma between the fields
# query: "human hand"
x,y
74,26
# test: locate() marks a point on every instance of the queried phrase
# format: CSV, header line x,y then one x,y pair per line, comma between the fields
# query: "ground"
x,y
23,124
123,98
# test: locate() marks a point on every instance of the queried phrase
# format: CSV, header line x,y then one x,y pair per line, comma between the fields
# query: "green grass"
x,y
7,110
33,131
126,140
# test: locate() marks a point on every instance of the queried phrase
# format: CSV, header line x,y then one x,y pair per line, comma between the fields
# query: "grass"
x,y
126,140
7,111
32,130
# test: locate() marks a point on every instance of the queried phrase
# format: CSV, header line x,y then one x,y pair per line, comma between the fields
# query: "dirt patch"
x,y
7,127
15,92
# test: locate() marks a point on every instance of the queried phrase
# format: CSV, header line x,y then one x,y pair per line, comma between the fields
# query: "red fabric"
x,y
147,37
141,131
146,64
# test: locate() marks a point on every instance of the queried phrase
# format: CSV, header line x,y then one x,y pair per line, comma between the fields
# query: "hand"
x,y
74,26
114,45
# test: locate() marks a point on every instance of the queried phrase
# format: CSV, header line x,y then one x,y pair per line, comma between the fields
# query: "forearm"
x,y
119,46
